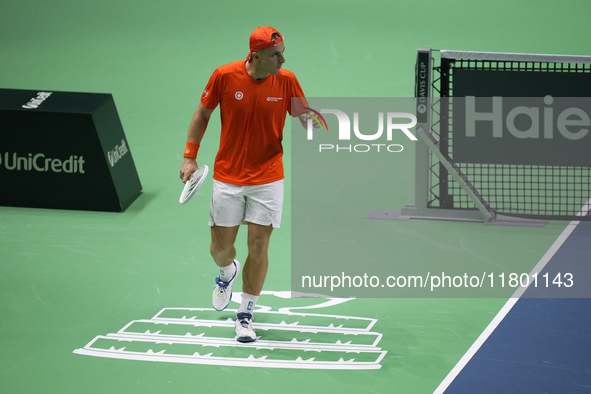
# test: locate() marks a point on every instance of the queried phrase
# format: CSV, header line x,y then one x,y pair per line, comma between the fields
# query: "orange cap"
x,y
261,39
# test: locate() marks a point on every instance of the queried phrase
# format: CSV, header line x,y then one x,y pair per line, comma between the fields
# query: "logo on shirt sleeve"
x,y
239,95
205,93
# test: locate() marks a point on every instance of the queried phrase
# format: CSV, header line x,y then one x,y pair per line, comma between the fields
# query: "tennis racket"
x,y
193,184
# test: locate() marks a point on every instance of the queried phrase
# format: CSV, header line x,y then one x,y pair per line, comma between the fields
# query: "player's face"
x,y
272,59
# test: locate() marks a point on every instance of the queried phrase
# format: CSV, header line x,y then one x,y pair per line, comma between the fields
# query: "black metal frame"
x,y
528,191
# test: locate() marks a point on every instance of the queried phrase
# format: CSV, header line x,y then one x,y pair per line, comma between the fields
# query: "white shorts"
x,y
232,205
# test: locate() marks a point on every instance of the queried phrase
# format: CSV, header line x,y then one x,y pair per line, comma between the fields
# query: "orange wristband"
x,y
191,149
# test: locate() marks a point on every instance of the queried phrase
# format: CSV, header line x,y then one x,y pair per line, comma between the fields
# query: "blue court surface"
x,y
542,345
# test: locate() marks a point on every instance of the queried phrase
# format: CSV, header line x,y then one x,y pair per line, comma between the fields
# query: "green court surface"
x,y
67,277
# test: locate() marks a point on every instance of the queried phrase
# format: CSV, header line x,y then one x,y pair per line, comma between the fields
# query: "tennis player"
x,y
254,97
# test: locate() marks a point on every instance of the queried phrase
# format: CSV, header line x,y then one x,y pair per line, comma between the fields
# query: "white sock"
x,y
248,303
227,272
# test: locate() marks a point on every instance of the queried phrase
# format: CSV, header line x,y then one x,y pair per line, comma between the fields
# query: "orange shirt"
x,y
253,116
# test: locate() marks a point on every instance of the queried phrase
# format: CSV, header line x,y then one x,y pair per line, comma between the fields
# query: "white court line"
x,y
509,304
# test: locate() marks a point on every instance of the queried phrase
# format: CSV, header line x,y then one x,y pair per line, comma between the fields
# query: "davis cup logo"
x,y
239,95
300,337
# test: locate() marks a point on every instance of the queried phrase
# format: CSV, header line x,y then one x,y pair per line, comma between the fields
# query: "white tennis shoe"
x,y
222,291
244,330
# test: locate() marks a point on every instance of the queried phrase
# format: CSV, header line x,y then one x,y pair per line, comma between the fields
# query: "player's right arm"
x,y
197,129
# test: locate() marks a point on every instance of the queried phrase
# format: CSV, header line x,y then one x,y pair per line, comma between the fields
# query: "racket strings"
x,y
193,184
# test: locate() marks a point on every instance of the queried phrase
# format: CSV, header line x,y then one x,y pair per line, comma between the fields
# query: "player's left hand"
x,y
304,121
